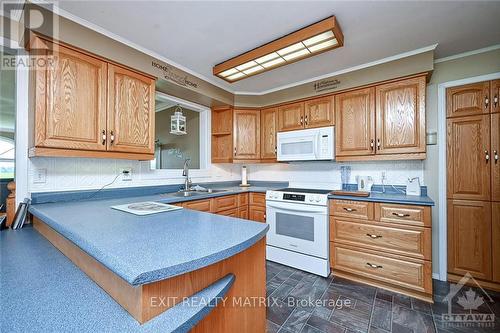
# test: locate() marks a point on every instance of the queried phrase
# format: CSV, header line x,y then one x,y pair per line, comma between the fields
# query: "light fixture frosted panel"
x,y
229,72
247,65
296,55
291,48
267,58
318,38
235,76
272,63
253,70
322,46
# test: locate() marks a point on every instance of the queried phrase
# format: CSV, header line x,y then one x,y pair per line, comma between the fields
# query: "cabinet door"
x,y
469,238
319,112
246,134
495,96
257,213
495,220
131,111
291,117
495,157
243,212
268,129
468,167
401,117
70,101
468,100
355,123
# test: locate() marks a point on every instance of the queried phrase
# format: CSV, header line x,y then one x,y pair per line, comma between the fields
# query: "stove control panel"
x,y
304,198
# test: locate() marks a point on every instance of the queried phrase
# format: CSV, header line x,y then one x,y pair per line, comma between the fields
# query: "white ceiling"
x,y
199,35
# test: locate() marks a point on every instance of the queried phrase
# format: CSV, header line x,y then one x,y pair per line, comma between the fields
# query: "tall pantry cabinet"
x,y
473,178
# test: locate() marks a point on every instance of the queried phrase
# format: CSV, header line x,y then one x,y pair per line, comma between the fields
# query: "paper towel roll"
x,y
244,180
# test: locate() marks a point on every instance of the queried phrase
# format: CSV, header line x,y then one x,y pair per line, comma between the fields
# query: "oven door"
x,y
298,227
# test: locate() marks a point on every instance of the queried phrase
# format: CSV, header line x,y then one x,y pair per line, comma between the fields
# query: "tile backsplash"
x,y
82,173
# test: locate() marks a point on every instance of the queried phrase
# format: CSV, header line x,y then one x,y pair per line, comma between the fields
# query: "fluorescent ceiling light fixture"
x,y
314,39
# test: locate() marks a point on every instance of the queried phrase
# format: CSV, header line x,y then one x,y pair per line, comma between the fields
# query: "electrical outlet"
x,y
39,176
126,174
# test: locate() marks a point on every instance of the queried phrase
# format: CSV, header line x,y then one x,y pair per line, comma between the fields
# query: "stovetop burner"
x,y
303,190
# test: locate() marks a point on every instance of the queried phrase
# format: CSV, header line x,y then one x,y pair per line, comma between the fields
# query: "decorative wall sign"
x,y
327,84
170,73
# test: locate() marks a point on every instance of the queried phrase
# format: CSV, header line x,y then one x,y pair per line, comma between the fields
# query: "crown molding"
x,y
468,53
342,71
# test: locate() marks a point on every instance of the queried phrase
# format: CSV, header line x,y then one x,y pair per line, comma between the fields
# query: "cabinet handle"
x,y
373,236
378,144
486,102
495,156
234,151
112,137
373,265
487,156
301,120
372,144
103,137
349,209
306,120
275,150
495,101
401,215
265,217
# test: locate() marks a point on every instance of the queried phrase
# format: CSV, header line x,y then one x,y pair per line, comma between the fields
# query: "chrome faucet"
x,y
185,173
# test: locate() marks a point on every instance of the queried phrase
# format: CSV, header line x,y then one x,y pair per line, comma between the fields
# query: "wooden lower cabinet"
x,y
469,238
495,226
234,205
384,245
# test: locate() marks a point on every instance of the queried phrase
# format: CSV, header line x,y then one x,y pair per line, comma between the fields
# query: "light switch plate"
x,y
39,176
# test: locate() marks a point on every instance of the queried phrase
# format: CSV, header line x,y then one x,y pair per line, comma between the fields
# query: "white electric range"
x,y
299,229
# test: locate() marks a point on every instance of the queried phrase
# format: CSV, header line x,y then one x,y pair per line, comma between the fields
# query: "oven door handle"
x,y
288,207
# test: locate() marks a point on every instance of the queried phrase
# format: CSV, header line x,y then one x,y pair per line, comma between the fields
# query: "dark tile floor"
x,y
305,303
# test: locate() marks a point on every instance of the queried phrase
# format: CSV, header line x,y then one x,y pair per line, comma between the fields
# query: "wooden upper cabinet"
x,y
70,101
495,156
468,144
291,117
470,99
495,96
401,117
222,134
319,112
268,130
131,111
246,134
469,238
355,123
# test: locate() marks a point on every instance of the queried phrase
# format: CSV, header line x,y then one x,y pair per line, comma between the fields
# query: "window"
x,y
7,119
171,150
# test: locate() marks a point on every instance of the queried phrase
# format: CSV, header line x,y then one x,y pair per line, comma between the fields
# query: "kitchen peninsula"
x,y
150,264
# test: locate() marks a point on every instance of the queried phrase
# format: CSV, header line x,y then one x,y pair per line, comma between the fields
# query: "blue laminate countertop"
x,y
144,249
43,291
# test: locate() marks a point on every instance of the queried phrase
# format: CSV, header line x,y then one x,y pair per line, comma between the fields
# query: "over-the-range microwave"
x,y
314,144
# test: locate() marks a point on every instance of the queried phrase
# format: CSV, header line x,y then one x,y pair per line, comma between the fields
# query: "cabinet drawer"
x,y
200,205
409,241
403,214
352,209
258,199
242,199
257,213
414,274
225,203
230,212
